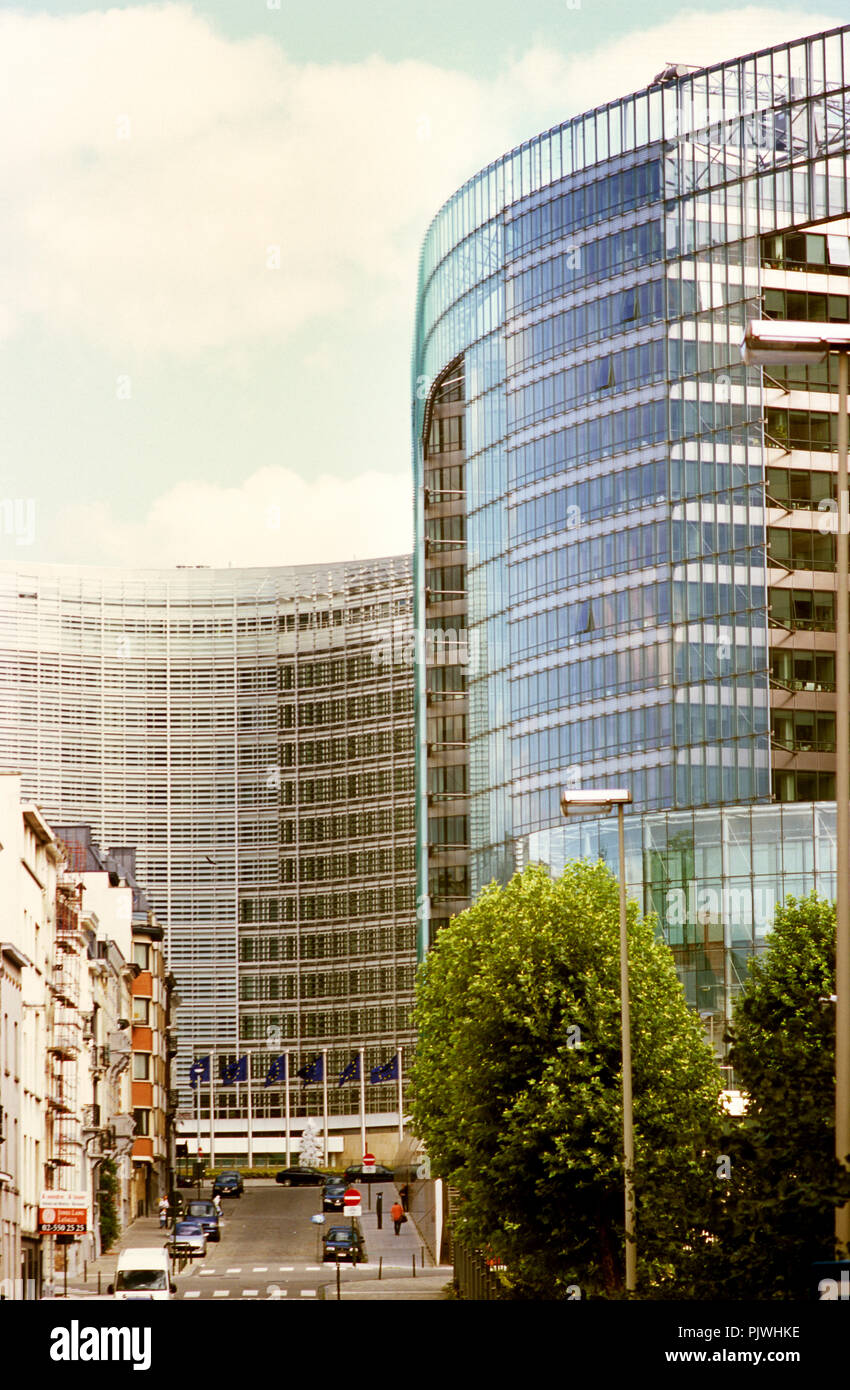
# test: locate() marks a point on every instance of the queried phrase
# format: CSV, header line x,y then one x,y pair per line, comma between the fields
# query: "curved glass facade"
x,y
632,586
250,733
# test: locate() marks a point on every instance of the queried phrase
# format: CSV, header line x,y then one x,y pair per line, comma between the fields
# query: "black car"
x,y
356,1174
344,1243
228,1185
206,1214
333,1193
300,1177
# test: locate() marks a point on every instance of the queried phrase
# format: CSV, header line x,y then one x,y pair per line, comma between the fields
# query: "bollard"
x,y
85,1271
422,1257
381,1267
98,1281
338,1294
413,1262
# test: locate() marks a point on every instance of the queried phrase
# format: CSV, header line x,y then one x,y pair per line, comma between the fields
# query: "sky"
x,y
211,219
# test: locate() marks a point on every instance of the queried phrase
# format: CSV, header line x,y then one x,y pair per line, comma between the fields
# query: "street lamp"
x,y
774,343
575,803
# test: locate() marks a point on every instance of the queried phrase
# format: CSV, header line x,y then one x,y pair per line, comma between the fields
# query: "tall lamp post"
x,y
601,802
778,343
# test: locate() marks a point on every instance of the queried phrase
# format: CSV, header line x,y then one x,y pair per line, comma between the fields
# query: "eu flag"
x,y
199,1071
388,1071
277,1070
231,1072
351,1072
313,1071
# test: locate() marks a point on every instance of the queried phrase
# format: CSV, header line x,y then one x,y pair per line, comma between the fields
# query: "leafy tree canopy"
x,y
517,1085
779,1210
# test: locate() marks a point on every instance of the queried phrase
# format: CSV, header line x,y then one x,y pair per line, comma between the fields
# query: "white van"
x,y
142,1272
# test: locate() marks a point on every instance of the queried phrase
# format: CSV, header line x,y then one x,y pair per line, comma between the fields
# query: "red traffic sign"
x,y
369,1163
351,1198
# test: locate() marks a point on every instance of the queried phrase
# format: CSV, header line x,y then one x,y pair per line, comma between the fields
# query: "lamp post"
x,y
776,343
573,803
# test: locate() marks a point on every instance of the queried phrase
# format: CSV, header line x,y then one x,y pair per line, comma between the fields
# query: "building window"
x,y
141,1011
142,1120
141,1066
142,955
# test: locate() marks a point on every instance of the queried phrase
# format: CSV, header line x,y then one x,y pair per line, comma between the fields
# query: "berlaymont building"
x,y
627,527
249,733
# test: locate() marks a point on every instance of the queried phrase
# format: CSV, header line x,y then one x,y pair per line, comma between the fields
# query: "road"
x,y
269,1248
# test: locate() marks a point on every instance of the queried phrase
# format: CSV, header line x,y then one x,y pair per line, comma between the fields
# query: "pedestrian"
x,y
217,1202
404,1192
163,1212
398,1216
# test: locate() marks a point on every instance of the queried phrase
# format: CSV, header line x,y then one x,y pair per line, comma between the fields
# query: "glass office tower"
x,y
644,569
250,731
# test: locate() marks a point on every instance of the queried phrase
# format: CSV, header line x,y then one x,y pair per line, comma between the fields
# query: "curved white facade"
x,y
250,733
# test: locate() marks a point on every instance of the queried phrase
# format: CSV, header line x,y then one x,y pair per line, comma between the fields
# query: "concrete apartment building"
x,y
69,1103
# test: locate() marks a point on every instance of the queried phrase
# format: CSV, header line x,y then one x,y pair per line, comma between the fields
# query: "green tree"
x,y
516,1086
107,1194
779,1209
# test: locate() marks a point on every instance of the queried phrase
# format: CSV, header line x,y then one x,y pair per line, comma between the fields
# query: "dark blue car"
x,y
344,1243
206,1214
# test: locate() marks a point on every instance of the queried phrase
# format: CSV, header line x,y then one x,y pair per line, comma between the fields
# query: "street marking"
x,y
202,1272
286,1269
222,1293
250,1293
313,1269
192,1293
236,1270
308,1293
260,1269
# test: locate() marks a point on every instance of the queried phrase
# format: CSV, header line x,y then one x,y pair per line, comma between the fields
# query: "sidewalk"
x,y
403,1261
396,1251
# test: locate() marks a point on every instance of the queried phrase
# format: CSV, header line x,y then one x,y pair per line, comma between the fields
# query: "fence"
x,y
475,1280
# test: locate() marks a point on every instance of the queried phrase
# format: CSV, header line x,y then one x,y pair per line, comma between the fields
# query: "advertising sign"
x,y
63,1213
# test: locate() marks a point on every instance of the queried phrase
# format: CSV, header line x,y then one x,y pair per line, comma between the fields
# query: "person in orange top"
x,y
397,1214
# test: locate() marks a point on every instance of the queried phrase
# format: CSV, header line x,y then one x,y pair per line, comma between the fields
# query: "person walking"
x,y
398,1216
217,1203
163,1212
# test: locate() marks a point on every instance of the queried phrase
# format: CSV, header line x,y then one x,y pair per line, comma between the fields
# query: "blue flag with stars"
x,y
199,1071
313,1071
277,1071
231,1072
388,1071
351,1072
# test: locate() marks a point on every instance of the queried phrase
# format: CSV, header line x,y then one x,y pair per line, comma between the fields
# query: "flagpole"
x,y
399,1060
325,1094
287,1056
198,1099
250,1131
213,1066
361,1068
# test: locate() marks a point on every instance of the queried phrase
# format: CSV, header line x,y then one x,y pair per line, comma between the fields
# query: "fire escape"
x,y
66,1040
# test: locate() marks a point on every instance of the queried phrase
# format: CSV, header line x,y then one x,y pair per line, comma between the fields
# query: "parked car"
x,y
300,1177
228,1184
188,1239
206,1213
356,1174
332,1194
344,1243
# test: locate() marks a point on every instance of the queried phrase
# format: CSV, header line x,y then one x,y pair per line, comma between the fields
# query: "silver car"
x,y
188,1240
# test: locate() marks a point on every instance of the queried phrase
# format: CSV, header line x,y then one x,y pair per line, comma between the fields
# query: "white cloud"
x,y
274,517
149,164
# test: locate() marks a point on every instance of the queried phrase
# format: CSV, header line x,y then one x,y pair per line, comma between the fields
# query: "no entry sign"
x,y
351,1202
